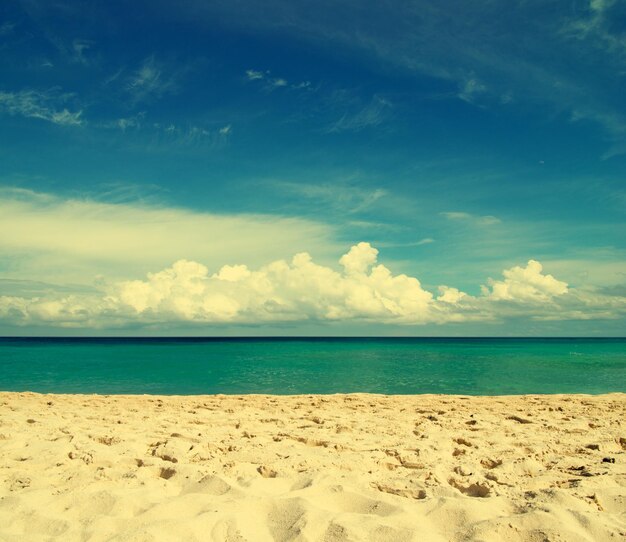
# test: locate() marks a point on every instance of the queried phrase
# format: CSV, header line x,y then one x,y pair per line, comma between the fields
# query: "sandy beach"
x,y
332,468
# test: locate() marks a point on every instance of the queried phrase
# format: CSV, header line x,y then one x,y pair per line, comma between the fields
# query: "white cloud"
x,y
450,295
299,290
359,259
280,291
44,105
525,284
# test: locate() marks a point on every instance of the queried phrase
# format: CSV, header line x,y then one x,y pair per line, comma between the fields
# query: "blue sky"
x,y
458,140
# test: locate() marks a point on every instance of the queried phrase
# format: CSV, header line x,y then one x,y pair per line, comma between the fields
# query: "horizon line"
x,y
299,337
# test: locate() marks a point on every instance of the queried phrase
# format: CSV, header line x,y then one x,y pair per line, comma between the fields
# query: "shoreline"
x,y
27,393
337,467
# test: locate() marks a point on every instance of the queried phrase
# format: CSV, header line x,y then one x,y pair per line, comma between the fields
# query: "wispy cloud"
x,y
187,136
134,235
339,195
615,124
597,24
373,114
79,48
135,121
150,81
486,220
408,244
254,75
175,135
45,105
270,82
560,58
471,89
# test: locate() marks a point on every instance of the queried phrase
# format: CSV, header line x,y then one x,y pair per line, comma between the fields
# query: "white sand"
x,y
334,468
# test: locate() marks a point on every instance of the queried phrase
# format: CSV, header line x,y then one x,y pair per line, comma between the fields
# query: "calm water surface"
x,y
293,366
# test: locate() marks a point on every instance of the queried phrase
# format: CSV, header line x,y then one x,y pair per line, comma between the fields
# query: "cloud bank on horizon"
x,y
71,260
301,290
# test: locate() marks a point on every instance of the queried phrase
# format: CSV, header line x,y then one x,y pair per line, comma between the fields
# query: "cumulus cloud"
x,y
280,291
450,295
525,284
360,289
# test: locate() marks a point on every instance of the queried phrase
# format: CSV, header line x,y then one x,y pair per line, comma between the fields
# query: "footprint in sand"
x,y
170,450
474,489
18,482
266,471
286,520
336,533
167,472
409,493
86,457
489,463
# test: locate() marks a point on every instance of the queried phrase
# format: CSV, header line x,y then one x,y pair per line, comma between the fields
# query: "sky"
x,y
339,167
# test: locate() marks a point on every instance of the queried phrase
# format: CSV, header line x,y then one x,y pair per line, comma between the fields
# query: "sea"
x,y
186,366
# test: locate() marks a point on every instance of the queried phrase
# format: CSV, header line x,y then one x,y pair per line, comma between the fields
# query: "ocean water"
x,y
301,366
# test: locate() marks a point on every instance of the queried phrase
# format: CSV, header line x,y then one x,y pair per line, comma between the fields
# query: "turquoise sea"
x,y
313,365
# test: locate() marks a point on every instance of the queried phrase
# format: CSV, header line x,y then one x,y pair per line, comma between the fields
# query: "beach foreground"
x,y
333,468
